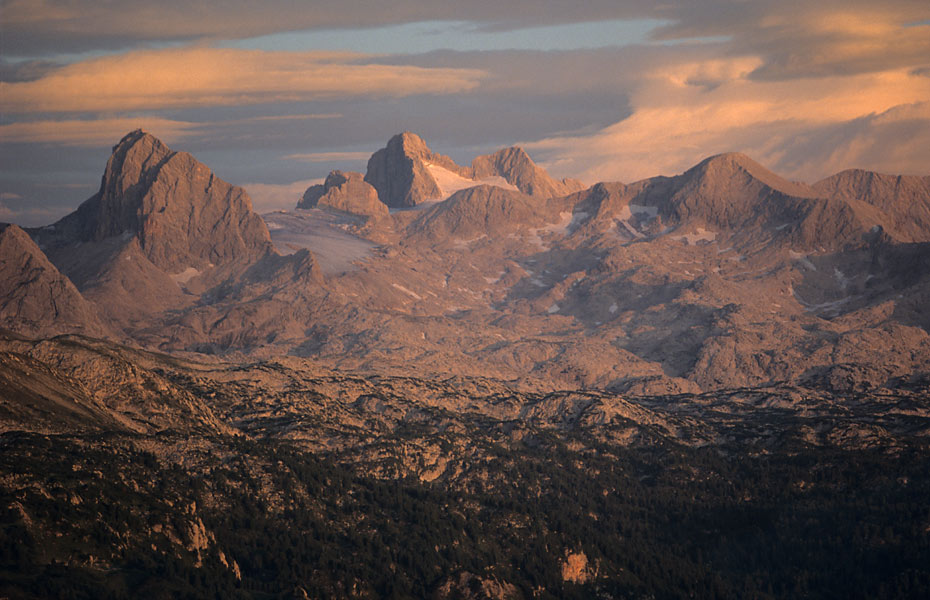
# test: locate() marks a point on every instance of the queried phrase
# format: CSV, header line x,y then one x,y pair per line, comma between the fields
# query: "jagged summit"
x,y
182,214
516,166
406,173
400,174
115,208
345,191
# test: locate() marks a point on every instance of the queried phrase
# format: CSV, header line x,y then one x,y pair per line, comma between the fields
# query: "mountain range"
x,y
724,276
433,380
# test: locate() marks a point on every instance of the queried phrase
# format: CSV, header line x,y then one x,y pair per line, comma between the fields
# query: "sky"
x,y
273,95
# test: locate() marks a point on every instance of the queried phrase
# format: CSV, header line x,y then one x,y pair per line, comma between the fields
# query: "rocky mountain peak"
x,y
128,172
516,166
181,213
345,191
410,144
400,171
479,211
735,167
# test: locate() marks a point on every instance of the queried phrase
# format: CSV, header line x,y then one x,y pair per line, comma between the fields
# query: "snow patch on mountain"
x,y
450,182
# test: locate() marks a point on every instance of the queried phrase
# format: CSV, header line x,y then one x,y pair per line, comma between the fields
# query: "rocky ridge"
x,y
35,298
517,168
724,276
347,192
162,234
182,215
406,173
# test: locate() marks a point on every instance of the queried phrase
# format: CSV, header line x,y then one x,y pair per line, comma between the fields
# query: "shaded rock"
x,y
399,171
182,214
35,298
515,165
345,191
473,587
904,199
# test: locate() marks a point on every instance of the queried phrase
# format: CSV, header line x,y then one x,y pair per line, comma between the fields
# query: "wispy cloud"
x,y
198,76
267,197
690,110
92,132
36,25
27,216
319,157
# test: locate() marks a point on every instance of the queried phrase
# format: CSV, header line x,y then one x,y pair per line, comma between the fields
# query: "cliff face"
x,y
35,298
515,165
399,171
345,191
182,214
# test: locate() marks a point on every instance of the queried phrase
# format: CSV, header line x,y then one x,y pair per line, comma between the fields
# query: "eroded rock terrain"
x,y
445,381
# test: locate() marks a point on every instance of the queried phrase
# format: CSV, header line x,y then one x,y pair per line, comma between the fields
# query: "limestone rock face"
x,y
35,298
183,215
515,165
345,191
730,191
404,172
399,171
479,211
904,199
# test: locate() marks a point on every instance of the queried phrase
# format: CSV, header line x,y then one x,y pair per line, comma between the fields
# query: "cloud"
x,y
694,109
29,216
267,197
92,133
317,157
811,39
76,25
198,76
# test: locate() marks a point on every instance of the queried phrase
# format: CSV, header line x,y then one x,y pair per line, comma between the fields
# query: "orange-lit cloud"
x,y
89,133
197,76
691,110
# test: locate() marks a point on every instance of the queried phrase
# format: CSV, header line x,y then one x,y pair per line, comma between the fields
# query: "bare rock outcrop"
x,y
515,165
182,214
345,191
35,298
575,568
904,199
399,171
473,587
483,210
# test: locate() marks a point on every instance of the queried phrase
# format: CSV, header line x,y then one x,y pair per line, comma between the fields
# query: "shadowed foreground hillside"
x,y
151,476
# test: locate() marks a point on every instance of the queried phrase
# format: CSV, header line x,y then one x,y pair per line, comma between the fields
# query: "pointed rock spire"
x,y
399,171
182,214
